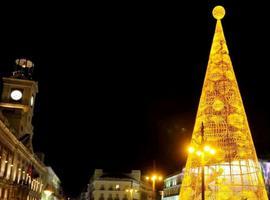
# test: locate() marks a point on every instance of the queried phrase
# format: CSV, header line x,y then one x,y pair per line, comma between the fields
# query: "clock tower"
x,y
18,99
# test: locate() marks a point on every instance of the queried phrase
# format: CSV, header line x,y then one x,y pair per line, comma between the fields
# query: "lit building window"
x,y
168,183
174,182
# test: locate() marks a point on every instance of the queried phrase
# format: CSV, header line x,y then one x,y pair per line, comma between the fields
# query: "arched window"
x,y
117,197
110,197
101,197
125,197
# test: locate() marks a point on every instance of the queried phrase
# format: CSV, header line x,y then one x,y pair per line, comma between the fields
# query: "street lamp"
x,y
201,152
154,178
47,193
131,191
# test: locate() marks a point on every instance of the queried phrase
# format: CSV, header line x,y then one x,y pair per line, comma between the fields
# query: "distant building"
x,y
266,172
84,194
52,186
118,186
171,188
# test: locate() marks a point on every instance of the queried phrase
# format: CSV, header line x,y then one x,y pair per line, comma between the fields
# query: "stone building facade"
x,y
22,173
118,186
171,188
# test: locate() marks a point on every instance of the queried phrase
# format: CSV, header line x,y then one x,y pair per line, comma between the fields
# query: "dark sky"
x,y
119,83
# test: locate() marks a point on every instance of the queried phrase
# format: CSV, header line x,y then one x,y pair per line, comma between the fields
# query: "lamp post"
x,y
201,151
131,191
154,178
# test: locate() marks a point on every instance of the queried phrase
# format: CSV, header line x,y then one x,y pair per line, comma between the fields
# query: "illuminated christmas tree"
x,y
222,164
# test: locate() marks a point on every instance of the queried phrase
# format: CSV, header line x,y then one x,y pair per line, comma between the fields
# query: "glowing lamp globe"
x,y
218,12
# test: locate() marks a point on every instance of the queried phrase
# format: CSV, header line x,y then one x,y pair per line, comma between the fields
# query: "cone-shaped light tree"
x,y
231,171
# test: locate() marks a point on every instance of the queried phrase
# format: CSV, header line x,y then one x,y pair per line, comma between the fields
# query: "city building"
x,y
118,186
83,195
22,173
171,187
266,172
53,190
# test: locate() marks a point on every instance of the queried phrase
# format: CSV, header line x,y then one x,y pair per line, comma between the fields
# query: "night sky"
x,y
119,84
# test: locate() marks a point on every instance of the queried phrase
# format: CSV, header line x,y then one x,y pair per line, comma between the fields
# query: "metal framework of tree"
x,y
233,173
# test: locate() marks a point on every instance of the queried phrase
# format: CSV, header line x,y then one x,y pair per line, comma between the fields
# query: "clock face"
x,y
16,95
32,101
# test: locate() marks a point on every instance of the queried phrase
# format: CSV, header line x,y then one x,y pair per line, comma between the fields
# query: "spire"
x,y
219,39
233,172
